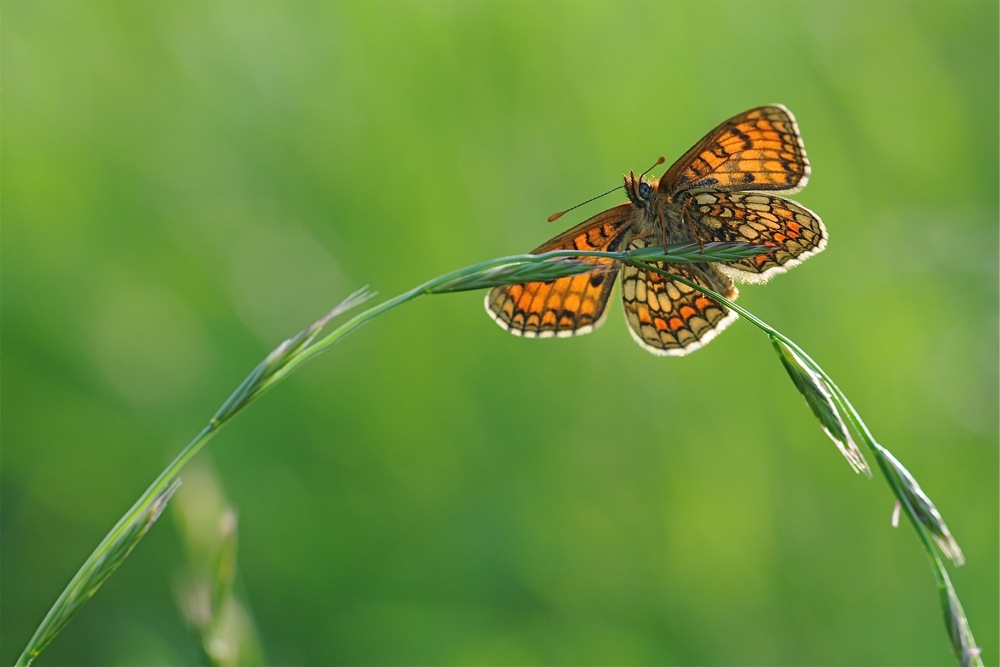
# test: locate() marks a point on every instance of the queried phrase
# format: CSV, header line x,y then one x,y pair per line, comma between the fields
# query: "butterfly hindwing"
x,y
667,317
794,231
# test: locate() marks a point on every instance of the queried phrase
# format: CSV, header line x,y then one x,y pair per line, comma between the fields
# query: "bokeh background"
x,y
188,183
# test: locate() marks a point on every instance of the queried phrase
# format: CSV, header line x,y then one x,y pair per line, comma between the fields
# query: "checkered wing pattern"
x,y
795,232
757,150
572,305
667,317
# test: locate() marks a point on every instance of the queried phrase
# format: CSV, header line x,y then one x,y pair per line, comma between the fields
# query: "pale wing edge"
x,y
730,317
749,277
568,333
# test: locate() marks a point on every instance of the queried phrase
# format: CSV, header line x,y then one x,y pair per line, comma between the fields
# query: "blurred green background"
x,y
188,183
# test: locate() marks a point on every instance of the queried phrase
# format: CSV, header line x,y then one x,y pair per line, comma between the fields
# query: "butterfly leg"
x,y
694,230
663,226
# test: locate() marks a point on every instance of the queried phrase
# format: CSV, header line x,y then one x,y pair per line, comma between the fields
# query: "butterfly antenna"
x,y
656,164
556,216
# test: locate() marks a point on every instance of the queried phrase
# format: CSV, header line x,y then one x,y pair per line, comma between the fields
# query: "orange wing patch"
x,y
757,150
572,305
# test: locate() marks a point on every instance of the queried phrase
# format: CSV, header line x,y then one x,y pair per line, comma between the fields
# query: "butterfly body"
x,y
720,190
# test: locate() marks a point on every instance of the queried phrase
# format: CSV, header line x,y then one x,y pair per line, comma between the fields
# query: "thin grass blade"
x,y
924,510
715,251
962,641
101,564
260,378
820,400
207,589
526,271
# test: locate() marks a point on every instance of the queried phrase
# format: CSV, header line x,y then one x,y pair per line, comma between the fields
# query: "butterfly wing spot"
x,y
742,136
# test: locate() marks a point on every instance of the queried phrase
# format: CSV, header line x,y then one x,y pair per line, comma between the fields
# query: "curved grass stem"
x,y
921,512
821,393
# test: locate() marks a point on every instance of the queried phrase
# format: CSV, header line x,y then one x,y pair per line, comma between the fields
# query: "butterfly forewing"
x,y
571,305
756,150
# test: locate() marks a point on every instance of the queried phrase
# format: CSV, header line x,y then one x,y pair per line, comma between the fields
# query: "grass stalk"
x,y
824,397
921,512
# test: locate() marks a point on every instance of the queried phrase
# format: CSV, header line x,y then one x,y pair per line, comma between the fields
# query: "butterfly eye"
x,y
645,189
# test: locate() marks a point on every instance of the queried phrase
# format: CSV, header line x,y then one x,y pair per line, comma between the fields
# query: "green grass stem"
x,y
923,515
822,394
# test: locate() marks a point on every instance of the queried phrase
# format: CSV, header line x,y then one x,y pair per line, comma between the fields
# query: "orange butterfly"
x,y
718,191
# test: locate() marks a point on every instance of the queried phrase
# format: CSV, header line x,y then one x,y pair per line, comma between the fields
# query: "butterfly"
x,y
722,189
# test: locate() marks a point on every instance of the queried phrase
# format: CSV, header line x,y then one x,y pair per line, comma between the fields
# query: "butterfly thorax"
x,y
657,216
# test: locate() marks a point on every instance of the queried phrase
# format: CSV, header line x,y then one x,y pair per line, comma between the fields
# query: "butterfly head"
x,y
640,191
